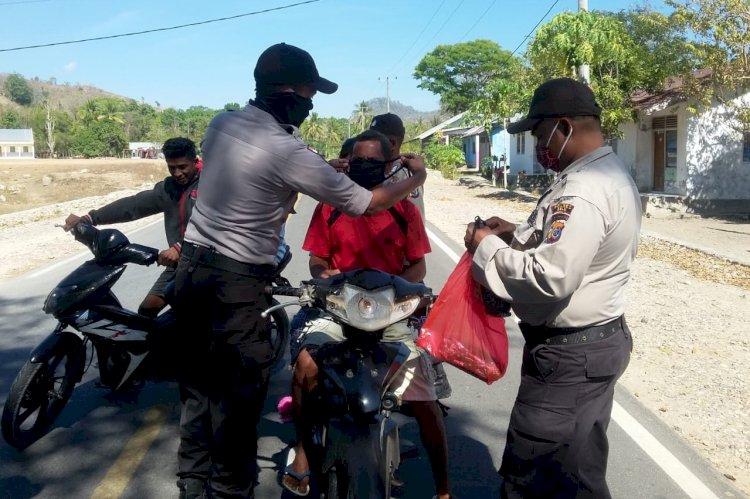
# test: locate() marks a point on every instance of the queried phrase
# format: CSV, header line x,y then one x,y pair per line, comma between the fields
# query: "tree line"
x,y
705,46
701,47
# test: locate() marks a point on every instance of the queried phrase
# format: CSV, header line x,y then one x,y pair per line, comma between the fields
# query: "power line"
x,y
403,54
159,29
23,2
477,21
443,25
534,28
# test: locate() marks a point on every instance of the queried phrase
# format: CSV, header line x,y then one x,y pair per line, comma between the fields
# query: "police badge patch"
x,y
560,213
555,231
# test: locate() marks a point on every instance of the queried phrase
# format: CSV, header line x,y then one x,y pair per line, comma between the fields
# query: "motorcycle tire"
x,y
37,397
279,327
338,484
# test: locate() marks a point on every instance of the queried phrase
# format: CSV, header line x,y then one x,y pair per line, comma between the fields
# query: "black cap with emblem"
x,y
558,98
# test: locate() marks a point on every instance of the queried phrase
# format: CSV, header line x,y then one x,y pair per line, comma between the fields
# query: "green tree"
x,y
720,38
459,73
138,118
18,89
661,50
444,157
232,106
100,138
10,119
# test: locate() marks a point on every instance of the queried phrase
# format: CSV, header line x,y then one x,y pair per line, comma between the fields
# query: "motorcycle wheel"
x,y
278,324
338,484
37,397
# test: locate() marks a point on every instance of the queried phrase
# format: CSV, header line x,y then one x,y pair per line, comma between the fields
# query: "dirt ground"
x,y
26,184
688,311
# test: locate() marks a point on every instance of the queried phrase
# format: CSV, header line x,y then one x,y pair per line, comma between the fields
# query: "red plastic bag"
x,y
459,331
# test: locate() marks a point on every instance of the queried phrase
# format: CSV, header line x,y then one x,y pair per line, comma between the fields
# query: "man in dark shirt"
x,y
174,196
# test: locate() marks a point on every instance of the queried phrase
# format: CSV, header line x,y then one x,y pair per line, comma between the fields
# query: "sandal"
x,y
289,471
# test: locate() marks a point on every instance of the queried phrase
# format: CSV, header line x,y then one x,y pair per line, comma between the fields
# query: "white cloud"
x,y
70,67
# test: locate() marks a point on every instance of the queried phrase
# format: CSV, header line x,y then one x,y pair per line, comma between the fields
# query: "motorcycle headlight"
x,y
370,310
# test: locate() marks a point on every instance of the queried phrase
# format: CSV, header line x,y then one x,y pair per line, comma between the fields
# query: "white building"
x,y
701,158
16,143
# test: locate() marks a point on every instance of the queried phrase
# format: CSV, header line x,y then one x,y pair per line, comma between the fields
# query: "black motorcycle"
x,y
130,348
354,447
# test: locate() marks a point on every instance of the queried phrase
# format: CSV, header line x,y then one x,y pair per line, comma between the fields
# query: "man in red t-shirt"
x,y
393,241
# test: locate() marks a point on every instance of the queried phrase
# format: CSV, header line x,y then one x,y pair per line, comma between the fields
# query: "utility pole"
x,y
388,92
583,69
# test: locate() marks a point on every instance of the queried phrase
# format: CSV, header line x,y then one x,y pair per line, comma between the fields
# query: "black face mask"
x,y
369,173
288,108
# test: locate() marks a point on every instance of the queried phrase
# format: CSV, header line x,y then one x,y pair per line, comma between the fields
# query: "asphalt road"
x,y
106,445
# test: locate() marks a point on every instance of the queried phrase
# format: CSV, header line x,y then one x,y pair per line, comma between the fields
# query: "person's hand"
x,y
414,163
71,222
341,165
500,226
329,273
168,258
475,232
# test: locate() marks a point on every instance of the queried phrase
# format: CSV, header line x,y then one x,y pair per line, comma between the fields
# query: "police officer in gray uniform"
x,y
564,271
255,166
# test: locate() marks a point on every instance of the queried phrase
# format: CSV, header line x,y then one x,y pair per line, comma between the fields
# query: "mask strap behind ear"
x,y
400,167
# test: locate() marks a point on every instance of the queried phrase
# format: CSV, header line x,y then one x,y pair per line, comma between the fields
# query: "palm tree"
x,y
362,115
332,140
87,113
314,130
109,110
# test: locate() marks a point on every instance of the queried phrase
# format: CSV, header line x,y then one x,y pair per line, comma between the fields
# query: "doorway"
x,y
659,160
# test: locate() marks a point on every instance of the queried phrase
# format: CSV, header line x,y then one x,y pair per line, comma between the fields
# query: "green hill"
x,y
379,105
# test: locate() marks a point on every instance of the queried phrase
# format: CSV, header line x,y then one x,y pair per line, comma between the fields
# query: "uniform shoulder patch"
x,y
559,213
555,231
561,208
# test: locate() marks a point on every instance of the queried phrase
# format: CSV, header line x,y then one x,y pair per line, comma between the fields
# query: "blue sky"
x,y
356,43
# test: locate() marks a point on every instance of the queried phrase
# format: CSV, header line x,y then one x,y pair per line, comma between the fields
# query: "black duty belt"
x,y
537,335
212,258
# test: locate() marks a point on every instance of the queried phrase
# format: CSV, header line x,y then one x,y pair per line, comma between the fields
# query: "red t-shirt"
x,y
368,241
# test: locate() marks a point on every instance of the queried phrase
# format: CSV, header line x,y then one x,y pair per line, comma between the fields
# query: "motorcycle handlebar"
x,y
284,291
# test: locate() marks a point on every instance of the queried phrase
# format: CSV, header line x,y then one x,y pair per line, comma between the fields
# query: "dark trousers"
x,y
223,373
557,437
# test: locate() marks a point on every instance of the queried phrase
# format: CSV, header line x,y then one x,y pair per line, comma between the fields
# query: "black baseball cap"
x,y
284,64
558,98
388,124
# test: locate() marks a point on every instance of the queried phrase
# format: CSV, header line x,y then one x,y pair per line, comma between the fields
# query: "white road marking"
x,y
440,244
688,482
682,476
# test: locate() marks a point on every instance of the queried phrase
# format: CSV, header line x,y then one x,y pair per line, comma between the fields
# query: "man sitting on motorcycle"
x,y
174,196
393,241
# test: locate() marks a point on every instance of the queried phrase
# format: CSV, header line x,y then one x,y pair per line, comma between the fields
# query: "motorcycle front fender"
x,y
369,452
57,342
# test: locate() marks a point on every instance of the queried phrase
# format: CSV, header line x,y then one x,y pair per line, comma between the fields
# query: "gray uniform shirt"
x,y
567,266
253,170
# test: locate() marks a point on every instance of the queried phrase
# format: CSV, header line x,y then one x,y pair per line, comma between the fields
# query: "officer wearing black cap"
x,y
255,166
564,271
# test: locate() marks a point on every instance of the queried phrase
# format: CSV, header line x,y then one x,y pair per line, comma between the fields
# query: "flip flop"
x,y
289,471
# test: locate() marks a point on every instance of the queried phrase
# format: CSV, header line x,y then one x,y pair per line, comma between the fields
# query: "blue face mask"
x,y
369,173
